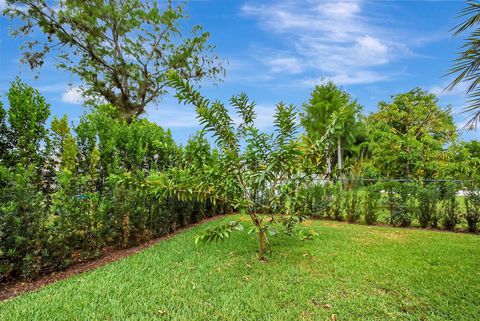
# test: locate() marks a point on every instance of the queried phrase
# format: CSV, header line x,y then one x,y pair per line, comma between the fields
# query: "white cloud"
x,y
73,95
440,90
284,64
265,115
336,38
3,4
371,50
340,9
360,77
180,116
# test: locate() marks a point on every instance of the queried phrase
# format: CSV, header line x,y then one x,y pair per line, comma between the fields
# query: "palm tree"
x,y
467,66
325,100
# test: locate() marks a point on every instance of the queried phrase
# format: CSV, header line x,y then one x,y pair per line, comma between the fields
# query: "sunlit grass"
x,y
355,272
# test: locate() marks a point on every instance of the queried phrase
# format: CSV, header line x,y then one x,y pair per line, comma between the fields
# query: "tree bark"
x,y
339,152
261,244
262,238
329,166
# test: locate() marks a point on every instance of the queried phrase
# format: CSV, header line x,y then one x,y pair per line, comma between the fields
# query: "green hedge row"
x,y
66,195
447,205
36,238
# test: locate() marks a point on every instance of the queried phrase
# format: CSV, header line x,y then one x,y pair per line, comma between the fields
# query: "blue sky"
x,y
278,50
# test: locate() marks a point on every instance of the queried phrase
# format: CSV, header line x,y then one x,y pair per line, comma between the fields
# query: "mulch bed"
x,y
12,289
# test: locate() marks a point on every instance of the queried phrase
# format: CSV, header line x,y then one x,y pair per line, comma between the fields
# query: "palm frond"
x,y
466,67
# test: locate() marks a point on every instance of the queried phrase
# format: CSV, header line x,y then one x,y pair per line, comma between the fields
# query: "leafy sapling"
x,y
273,167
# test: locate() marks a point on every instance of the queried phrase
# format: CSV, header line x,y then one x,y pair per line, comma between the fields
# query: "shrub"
x,y
400,201
76,224
435,219
315,200
337,203
370,205
22,223
472,207
450,215
427,199
352,206
329,199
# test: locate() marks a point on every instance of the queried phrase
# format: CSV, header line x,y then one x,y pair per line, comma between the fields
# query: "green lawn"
x,y
355,272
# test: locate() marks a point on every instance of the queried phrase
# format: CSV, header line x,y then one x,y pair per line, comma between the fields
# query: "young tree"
x,y
277,164
121,50
325,100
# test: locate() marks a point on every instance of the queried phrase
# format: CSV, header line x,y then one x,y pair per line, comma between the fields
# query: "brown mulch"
x,y
12,289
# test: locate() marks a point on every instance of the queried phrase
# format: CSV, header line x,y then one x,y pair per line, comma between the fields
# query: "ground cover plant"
x,y
354,272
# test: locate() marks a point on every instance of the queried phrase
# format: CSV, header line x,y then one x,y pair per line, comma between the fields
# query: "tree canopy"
x,y
121,50
409,134
325,100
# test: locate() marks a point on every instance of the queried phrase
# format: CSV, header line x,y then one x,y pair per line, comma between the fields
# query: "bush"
x,y
352,206
450,215
23,218
337,202
472,207
370,205
315,200
400,201
427,200
73,224
435,219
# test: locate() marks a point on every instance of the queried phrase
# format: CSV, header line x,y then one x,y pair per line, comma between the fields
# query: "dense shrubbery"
x,y
67,195
425,204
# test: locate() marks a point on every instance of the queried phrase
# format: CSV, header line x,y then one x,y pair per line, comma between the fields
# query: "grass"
x,y
354,272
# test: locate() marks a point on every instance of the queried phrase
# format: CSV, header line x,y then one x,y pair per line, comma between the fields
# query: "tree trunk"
x,y
339,152
262,238
130,112
261,245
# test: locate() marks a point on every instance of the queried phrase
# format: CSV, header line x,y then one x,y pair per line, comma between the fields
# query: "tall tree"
x,y
466,66
121,50
325,100
408,135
